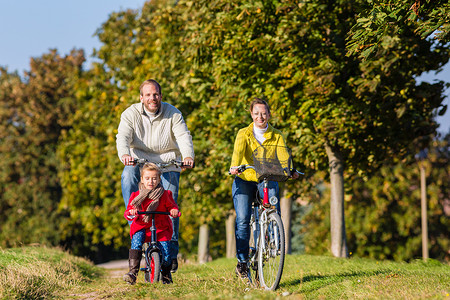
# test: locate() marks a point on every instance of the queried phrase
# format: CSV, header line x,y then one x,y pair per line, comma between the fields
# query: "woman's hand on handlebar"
x,y
133,212
296,174
127,160
234,171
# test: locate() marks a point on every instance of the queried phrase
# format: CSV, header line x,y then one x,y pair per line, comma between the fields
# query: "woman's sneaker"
x,y
242,270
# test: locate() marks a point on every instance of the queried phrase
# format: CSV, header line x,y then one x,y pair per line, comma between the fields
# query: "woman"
x,y
245,185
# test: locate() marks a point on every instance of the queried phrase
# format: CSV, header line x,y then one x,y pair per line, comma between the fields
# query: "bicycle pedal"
x,y
144,269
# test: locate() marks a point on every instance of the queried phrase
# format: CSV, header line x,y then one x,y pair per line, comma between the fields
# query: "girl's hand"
x,y
133,212
174,212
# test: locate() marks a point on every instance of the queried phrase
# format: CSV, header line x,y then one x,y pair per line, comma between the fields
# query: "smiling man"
x,y
156,131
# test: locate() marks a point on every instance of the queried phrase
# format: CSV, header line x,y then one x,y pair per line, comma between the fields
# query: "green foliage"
x,y
384,213
34,113
212,58
381,24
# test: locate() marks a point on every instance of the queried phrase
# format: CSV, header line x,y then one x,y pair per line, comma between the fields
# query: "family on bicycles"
x,y
156,132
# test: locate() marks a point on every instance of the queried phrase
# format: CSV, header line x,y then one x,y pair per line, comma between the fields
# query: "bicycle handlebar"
x,y
156,213
162,165
242,168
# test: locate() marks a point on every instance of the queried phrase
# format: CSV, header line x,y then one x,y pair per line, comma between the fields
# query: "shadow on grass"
x,y
312,283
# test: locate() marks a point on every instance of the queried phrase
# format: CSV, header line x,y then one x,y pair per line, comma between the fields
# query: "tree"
x,y
213,57
341,112
381,24
34,113
384,210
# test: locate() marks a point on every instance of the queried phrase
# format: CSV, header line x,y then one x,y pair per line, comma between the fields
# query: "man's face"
x,y
151,98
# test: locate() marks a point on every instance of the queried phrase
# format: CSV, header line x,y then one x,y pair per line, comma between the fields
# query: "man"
x,y
156,131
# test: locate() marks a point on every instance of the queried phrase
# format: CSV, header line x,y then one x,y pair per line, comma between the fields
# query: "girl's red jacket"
x,y
163,224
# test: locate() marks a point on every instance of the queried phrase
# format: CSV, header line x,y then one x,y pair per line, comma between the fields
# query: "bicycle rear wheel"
x,y
153,274
271,252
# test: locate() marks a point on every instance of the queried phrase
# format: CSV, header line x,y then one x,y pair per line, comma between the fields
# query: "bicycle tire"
x,y
153,275
271,256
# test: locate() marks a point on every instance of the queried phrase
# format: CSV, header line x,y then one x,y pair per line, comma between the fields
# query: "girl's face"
x,y
260,116
150,179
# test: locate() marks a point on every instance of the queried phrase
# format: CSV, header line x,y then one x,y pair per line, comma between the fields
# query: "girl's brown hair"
x,y
150,167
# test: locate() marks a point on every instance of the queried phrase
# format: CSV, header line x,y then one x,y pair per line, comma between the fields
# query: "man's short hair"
x,y
150,81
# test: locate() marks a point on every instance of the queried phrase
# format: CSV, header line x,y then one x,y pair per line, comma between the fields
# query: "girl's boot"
x,y
166,276
134,262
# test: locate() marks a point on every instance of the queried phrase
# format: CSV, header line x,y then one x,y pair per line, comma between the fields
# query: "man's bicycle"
x,y
267,248
152,253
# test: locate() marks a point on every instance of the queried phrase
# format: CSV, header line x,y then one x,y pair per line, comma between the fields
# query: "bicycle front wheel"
x,y
271,252
154,267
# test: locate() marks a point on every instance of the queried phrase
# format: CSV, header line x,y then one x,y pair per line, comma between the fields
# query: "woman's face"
x,y
150,179
260,116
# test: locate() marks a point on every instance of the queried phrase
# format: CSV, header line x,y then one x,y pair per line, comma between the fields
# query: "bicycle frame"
x,y
153,242
152,246
257,220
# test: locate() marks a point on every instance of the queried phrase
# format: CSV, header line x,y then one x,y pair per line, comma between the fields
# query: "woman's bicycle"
x,y
152,253
267,248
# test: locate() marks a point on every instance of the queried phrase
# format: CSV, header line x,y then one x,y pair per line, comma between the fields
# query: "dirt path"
x,y
115,264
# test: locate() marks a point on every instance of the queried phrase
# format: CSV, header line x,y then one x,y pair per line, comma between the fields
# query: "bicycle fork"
x,y
152,246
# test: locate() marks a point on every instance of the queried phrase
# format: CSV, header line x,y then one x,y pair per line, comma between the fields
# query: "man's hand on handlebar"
x,y
127,160
189,162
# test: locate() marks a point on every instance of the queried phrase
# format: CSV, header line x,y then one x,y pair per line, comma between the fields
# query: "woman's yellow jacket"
x,y
246,143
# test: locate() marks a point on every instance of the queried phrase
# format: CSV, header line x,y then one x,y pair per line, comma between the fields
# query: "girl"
x,y
150,197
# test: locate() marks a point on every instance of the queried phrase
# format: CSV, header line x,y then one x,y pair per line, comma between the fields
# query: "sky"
x,y
29,28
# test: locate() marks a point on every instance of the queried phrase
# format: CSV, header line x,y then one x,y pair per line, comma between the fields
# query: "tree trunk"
x,y
423,205
231,237
286,216
338,239
203,244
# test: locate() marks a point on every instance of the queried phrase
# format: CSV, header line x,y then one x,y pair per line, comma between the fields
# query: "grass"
x,y
41,273
304,277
